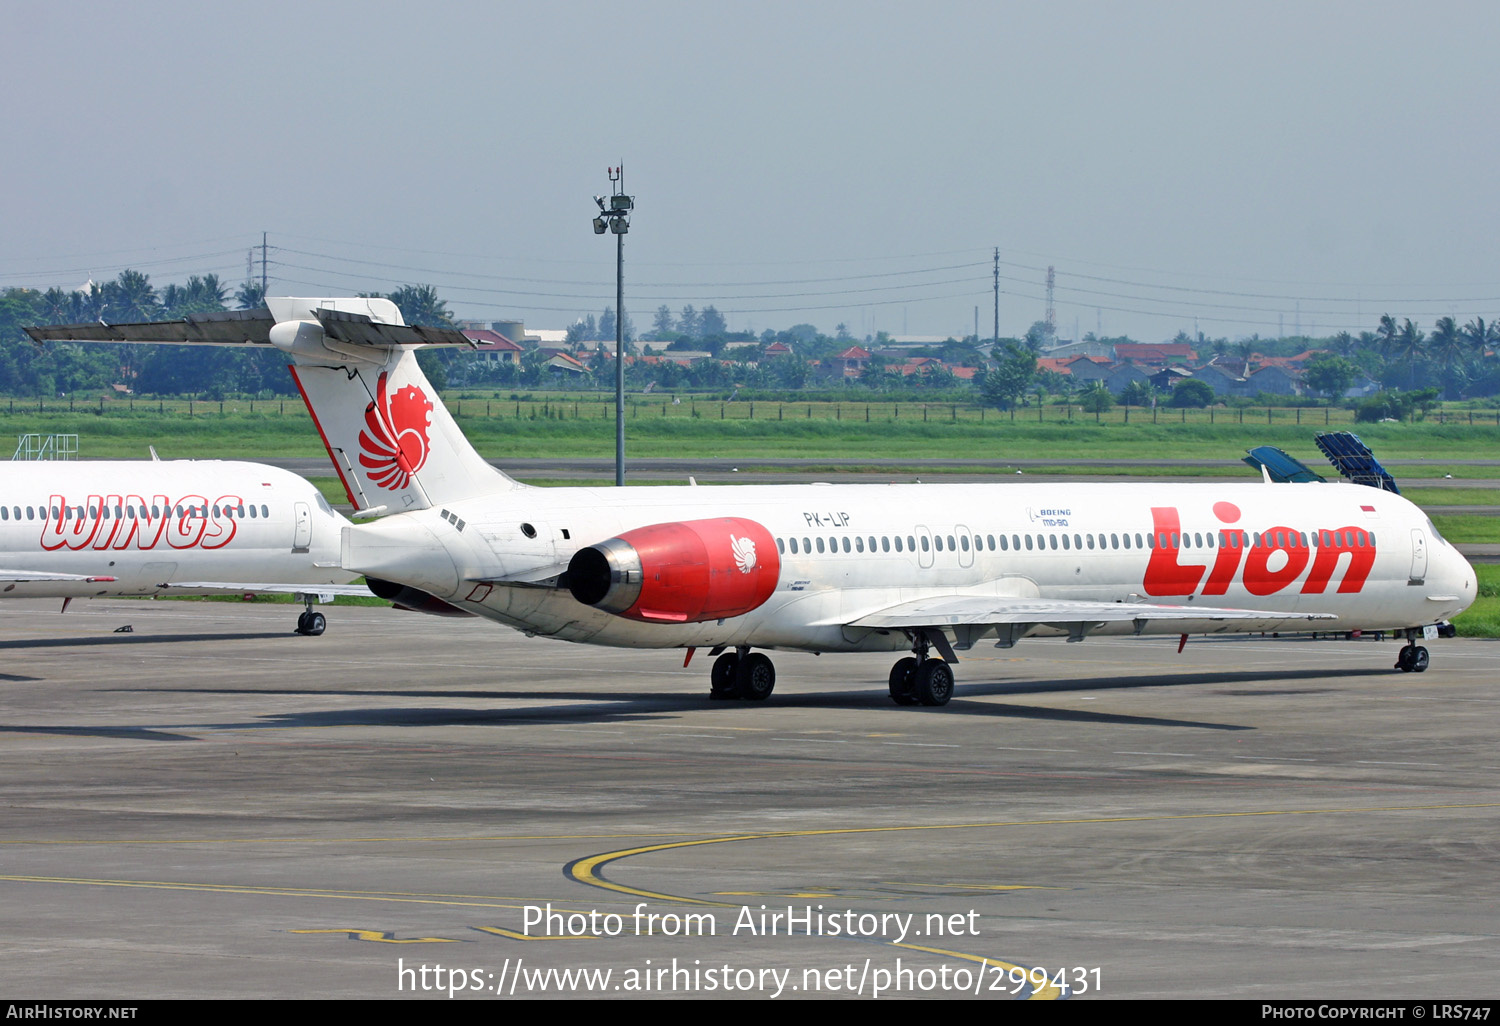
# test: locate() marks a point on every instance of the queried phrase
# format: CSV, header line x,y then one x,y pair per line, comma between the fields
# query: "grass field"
x,y
241,434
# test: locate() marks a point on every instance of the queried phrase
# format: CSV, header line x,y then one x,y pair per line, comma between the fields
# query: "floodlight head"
x,y
598,226
621,202
619,225
599,200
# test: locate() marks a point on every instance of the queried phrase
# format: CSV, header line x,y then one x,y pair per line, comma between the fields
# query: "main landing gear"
x,y
921,679
1413,658
742,674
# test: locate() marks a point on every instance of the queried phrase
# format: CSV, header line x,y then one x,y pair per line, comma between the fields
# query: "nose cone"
x,y
1454,587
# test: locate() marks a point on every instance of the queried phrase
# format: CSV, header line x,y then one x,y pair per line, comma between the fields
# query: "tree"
x,y
1011,378
688,322
131,298
1192,393
1449,349
1332,375
607,323
250,296
420,305
1137,393
1096,398
711,322
661,324
1040,336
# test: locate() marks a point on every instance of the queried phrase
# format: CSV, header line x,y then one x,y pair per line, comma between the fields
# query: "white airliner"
x,y
92,529
929,569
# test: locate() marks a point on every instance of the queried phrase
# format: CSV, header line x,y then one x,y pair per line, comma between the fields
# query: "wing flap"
x,y
34,576
970,610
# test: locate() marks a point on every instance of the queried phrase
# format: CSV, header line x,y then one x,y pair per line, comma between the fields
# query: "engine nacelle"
x,y
413,600
679,573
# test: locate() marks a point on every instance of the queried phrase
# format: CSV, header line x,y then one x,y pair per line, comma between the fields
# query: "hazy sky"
x,y
1213,164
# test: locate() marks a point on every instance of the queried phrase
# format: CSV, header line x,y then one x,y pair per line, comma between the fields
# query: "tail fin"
x,y
390,437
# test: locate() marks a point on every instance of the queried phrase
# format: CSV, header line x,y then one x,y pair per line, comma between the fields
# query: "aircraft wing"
x,y
249,327
324,592
21,576
973,610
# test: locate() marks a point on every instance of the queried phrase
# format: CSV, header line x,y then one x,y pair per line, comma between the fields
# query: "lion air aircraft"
x,y
928,570
90,529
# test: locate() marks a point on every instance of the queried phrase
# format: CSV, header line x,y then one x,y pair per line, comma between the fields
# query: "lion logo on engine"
x,y
744,553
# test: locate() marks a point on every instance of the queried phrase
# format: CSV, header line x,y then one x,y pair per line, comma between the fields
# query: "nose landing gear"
x,y
1413,658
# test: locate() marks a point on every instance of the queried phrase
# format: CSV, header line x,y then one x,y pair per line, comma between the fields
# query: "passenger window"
x,y
911,542
924,543
807,545
991,539
964,540
1004,544
885,543
1090,539
1028,543
859,544
846,544
951,546
1053,539
1065,542
937,542
898,543
820,544
780,547
1150,540
793,543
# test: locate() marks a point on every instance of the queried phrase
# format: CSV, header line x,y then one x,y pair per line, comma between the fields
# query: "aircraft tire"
x,y
757,677
723,679
1419,659
902,681
934,683
317,623
302,622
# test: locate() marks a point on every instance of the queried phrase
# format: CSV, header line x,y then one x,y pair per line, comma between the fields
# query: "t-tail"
x,y
393,443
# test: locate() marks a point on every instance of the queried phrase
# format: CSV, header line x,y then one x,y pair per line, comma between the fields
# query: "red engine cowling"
x,y
679,573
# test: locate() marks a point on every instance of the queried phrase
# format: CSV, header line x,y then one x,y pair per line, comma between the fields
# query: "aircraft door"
x,y
965,538
1418,555
302,527
925,554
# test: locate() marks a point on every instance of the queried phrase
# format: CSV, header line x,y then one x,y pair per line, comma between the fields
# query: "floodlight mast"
x,y
615,215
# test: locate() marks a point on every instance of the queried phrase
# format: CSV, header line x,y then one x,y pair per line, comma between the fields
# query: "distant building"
x,y
493,347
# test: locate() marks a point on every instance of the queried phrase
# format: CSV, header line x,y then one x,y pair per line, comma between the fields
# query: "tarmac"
x,y
210,806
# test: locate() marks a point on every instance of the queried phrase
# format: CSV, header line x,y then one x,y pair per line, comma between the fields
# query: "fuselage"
x,y
149,523
1368,557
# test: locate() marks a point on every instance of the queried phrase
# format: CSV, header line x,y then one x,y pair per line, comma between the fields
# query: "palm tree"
x,y
131,298
1405,344
250,295
1449,348
420,305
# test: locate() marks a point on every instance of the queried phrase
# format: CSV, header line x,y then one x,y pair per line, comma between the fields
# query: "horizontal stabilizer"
x,y
1354,460
251,327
